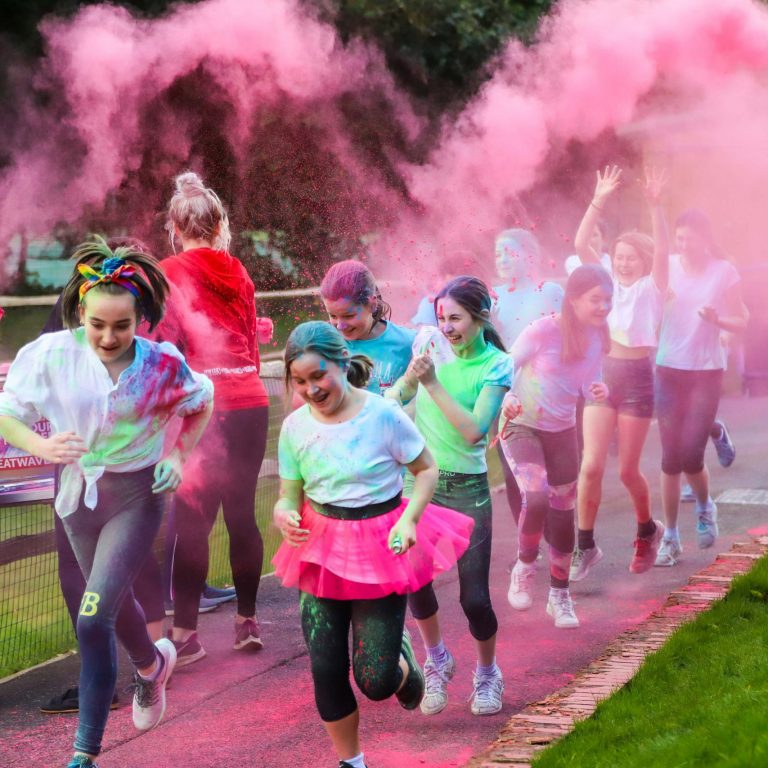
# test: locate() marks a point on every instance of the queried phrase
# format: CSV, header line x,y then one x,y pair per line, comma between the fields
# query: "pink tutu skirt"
x,y
350,559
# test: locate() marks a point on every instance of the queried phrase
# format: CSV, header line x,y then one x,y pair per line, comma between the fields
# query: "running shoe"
x,y
669,553
206,605
412,692
726,451
646,549
219,594
486,693
345,764
69,702
583,561
706,527
149,695
248,635
519,594
436,677
82,761
686,493
187,651
560,608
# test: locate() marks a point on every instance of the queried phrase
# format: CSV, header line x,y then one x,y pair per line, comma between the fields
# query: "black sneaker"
x,y
344,764
187,651
69,703
412,692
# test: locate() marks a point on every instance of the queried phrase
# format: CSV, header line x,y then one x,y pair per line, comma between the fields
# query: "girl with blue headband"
x,y
109,396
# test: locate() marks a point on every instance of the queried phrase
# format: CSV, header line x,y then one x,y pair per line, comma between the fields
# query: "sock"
x,y
671,534
437,653
554,591
556,583
705,506
158,669
356,761
486,671
586,539
646,530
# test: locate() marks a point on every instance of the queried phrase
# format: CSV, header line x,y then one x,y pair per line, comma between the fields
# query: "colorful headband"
x,y
113,270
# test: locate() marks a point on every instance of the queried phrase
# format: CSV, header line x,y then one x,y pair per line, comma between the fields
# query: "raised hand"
x,y
607,183
655,181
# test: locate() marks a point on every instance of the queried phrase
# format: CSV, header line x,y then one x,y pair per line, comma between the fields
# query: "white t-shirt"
x,y
352,464
548,388
636,313
687,342
514,310
574,261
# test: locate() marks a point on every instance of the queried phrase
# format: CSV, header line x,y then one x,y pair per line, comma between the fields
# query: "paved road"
x,y
257,710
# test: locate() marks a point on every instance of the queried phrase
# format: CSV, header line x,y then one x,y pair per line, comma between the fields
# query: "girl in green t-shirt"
x,y
456,404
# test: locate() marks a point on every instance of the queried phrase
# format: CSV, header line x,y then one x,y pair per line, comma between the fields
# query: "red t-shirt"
x,y
211,317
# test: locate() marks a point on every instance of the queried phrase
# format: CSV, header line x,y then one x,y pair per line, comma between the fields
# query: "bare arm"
x,y
655,180
607,182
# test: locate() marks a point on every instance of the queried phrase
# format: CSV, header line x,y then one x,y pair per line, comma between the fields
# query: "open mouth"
x,y
318,399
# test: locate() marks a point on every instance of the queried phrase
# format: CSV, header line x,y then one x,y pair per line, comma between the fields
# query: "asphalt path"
x,y
257,709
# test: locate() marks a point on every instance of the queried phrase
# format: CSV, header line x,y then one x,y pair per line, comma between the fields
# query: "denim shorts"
x,y
630,385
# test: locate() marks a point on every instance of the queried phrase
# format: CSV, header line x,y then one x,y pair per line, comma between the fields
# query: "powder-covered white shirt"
x,y
573,261
636,313
60,378
352,464
687,342
547,387
515,309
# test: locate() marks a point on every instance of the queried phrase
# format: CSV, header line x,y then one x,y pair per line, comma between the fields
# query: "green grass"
x,y
701,700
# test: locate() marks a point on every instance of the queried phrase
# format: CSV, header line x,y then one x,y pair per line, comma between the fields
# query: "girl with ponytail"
x,y
353,546
456,405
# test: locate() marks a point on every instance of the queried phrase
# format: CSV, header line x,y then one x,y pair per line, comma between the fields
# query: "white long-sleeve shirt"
x,y
60,378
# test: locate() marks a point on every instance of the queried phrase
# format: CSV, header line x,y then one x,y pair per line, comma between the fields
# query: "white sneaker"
x,y
583,560
149,696
560,608
669,552
706,527
486,694
436,677
519,594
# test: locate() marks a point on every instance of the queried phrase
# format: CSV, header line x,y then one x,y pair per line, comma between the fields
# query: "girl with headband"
x,y
109,396
353,546
456,404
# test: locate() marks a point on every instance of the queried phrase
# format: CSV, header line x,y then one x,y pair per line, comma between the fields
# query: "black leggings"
x,y
468,494
224,472
686,407
377,632
546,467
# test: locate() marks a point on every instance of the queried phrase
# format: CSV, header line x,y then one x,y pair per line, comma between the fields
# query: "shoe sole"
x,y
406,648
251,641
71,710
595,560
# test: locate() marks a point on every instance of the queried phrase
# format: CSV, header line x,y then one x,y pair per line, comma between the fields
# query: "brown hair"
x,y
643,245
352,280
575,340
149,279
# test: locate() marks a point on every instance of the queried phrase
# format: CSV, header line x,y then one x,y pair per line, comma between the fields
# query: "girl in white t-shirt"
x,y
353,546
705,300
640,272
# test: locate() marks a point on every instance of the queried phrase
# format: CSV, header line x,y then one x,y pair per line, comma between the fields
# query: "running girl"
x,y
640,276
556,359
109,396
212,319
353,545
456,404
705,299
355,307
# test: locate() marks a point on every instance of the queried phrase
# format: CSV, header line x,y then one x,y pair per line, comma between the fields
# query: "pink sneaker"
x,y
646,549
247,635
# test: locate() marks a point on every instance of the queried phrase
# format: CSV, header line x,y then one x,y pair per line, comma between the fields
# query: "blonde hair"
x,y
643,245
197,212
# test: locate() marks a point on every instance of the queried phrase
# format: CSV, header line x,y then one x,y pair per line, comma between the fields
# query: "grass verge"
x,y
701,700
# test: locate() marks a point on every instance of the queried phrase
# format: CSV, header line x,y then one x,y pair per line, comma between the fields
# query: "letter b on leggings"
x,y
89,603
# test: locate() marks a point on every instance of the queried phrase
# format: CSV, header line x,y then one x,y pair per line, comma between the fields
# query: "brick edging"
x,y
548,720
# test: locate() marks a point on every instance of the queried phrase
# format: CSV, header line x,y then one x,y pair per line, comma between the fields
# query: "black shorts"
x,y
630,385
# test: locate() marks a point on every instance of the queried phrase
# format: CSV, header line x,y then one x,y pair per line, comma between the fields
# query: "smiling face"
x,y
319,382
593,306
110,324
354,321
628,264
457,325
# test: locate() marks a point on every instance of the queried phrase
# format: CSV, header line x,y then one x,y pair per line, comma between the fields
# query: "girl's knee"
x,y
378,683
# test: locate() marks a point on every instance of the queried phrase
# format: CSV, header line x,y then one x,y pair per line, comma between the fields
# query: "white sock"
x,y
522,566
671,534
356,761
489,671
555,591
437,653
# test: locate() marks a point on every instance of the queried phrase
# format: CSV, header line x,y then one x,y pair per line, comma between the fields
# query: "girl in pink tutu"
x,y
353,546
457,401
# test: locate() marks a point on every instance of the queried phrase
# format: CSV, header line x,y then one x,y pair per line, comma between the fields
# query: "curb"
x,y
544,722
